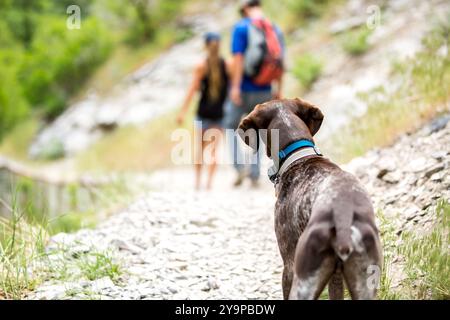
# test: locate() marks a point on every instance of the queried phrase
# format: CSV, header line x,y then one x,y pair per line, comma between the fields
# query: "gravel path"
x,y
180,245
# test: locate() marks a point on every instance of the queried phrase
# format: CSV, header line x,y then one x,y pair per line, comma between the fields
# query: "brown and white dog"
x,y
324,219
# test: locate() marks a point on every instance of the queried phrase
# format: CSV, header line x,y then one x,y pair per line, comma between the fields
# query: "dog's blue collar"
x,y
293,147
289,155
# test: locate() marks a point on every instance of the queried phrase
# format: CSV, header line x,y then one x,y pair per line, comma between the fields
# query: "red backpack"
x,y
264,54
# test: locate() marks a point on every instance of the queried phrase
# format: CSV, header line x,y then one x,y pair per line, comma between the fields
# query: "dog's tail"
x,y
343,220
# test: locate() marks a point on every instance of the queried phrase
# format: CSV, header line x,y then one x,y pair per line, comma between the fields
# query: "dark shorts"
x,y
205,124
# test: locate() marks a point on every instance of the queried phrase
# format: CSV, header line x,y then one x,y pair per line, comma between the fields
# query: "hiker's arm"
x,y
236,80
278,83
278,88
195,86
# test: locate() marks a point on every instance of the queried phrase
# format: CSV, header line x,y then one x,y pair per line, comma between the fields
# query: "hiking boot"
x,y
255,184
239,179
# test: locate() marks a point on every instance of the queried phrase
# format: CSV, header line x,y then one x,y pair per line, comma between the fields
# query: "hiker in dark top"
x,y
211,79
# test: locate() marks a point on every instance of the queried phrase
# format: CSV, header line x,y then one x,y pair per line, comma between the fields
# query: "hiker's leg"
x,y
255,167
213,148
233,116
198,155
251,100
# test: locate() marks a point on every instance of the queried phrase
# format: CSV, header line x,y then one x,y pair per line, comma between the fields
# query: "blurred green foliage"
x,y
43,63
355,42
307,70
307,9
60,60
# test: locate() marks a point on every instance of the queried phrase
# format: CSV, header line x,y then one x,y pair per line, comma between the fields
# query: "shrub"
x,y
307,70
13,105
430,68
307,9
50,77
145,18
355,42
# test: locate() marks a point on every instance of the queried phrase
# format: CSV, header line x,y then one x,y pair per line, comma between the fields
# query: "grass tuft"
x,y
424,259
427,258
24,261
307,70
21,244
98,265
355,42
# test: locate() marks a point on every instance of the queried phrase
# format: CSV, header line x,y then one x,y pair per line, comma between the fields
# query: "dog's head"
x,y
294,119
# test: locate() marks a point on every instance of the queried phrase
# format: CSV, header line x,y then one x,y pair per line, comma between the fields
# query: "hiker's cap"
x,y
212,36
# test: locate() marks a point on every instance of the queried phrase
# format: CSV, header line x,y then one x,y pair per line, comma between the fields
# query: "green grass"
x,y
98,265
69,265
23,236
307,9
355,42
388,242
72,222
24,263
421,94
21,244
427,258
307,70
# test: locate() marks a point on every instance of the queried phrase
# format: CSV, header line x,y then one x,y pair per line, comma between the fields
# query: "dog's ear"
x,y
248,130
310,114
259,118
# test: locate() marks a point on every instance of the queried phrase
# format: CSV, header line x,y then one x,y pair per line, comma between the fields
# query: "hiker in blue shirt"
x,y
256,75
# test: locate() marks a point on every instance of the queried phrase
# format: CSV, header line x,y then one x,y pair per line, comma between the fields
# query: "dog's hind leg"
x,y
336,286
288,276
356,274
314,263
362,270
310,286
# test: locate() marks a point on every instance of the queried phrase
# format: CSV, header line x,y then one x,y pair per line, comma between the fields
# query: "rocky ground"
x,y
406,181
407,178
178,244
